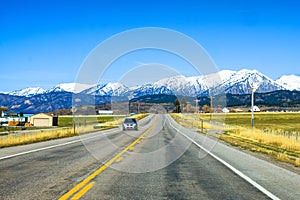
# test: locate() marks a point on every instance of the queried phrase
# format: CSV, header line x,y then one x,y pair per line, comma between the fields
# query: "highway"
x,y
160,161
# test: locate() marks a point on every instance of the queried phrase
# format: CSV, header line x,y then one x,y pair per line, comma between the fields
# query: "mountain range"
x,y
226,81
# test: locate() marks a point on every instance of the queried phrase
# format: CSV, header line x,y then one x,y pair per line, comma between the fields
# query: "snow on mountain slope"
x,y
225,74
240,83
176,84
27,92
225,81
70,87
149,89
113,89
109,89
290,82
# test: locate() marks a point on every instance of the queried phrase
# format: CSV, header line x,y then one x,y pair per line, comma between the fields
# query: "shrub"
x,y
13,123
28,124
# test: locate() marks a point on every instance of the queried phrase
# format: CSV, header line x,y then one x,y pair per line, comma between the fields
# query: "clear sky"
x,y
43,43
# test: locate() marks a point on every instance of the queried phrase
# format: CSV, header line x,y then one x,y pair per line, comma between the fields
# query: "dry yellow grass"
x,y
193,121
26,138
43,135
287,142
281,147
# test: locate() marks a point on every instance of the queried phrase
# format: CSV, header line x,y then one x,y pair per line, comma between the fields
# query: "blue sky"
x,y
43,43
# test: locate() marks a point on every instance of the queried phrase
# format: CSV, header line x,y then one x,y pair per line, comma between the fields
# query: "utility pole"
x,y
128,114
73,119
211,107
252,105
197,101
253,87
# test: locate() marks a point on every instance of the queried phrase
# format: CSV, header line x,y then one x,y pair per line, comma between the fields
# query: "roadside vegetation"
x,y
5,130
275,134
67,120
83,124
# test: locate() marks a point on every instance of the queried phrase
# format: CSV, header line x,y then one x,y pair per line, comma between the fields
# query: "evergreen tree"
x,y
184,103
2,109
177,106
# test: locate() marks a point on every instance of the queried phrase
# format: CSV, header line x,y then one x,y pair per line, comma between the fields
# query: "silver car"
x,y
130,123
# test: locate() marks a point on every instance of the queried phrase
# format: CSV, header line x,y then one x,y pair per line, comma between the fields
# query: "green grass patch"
x,y
279,122
20,128
67,120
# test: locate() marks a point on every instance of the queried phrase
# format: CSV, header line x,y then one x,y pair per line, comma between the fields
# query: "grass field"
x,y
67,120
266,121
275,134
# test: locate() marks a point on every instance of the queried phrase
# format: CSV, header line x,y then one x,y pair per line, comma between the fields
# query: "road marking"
x,y
54,146
83,191
236,171
119,159
104,166
132,148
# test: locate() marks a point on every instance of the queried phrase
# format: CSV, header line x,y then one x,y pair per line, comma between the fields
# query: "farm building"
x,y
225,110
105,112
255,109
236,110
42,119
15,118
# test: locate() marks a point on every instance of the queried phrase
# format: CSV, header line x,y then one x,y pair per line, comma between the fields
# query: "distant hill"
x,y
158,98
281,98
50,102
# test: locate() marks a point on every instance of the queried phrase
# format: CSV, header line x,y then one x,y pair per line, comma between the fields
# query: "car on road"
x,y
130,123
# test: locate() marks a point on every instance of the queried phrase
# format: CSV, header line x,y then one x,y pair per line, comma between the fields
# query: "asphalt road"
x,y
161,161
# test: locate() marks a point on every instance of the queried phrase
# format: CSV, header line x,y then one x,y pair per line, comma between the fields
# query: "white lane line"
x,y
54,146
239,173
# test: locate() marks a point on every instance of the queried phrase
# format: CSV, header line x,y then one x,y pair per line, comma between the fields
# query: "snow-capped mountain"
x,y
70,87
225,81
240,82
119,89
27,92
181,85
234,82
149,89
193,86
290,82
109,89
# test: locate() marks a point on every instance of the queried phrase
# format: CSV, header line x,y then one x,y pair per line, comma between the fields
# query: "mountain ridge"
x,y
225,81
67,95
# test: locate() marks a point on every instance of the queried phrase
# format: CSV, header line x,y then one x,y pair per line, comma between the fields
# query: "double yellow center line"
x,y
85,185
